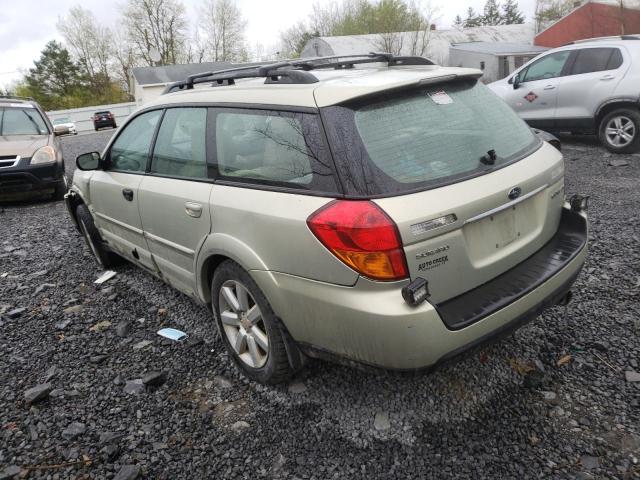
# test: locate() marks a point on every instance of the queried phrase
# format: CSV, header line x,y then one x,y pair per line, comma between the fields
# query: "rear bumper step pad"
x,y
506,288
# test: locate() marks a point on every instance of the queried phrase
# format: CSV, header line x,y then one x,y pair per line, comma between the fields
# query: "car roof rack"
x,y
294,71
15,97
597,39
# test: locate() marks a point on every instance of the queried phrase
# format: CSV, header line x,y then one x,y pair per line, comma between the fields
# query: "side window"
x,y
180,147
547,67
267,146
130,150
596,60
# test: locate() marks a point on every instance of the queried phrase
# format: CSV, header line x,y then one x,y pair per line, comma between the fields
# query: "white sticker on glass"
x,y
441,98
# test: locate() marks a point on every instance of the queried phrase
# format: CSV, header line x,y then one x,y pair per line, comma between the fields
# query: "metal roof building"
x,y
437,42
495,59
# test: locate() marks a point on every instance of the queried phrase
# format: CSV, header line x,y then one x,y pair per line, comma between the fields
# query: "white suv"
x,y
393,216
590,86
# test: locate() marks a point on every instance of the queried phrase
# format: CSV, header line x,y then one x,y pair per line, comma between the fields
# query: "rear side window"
x,y
596,60
180,148
130,151
272,148
413,140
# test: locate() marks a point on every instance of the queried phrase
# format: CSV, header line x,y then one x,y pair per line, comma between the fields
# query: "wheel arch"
x,y
73,199
614,104
216,249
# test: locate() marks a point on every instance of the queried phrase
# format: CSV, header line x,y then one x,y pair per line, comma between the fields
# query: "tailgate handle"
x,y
127,193
193,209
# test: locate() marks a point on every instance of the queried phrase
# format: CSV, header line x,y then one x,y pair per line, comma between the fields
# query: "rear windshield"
x,y
102,113
418,139
59,121
22,121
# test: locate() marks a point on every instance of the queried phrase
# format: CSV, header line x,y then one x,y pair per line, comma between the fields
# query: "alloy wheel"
x,y
620,131
243,324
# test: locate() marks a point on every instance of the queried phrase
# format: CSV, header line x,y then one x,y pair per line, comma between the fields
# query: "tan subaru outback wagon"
x,y
372,209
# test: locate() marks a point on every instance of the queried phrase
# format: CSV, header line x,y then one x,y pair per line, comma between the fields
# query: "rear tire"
x,y
258,347
619,131
104,257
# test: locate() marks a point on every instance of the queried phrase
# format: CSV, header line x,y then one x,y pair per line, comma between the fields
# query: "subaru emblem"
x,y
514,193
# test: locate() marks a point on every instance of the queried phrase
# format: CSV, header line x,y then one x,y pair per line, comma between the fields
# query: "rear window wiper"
x,y
489,158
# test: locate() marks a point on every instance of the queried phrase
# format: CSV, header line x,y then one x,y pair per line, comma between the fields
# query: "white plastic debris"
x,y
108,275
172,334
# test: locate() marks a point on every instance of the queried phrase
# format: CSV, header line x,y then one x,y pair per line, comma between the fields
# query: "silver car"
x,y
590,86
393,215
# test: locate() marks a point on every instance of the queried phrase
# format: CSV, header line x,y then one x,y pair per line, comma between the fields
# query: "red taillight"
x,y
361,235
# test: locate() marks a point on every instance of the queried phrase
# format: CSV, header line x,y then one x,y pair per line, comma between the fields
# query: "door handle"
x,y
127,193
608,77
549,87
193,209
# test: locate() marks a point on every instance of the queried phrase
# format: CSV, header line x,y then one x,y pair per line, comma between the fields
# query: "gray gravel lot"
x,y
555,400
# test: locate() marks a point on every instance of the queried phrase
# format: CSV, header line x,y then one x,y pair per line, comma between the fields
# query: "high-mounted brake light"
x,y
362,236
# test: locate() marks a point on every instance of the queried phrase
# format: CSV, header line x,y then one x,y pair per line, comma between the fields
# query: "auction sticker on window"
x,y
441,98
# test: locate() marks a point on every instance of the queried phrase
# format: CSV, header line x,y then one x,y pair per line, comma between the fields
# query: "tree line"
x,y
493,14
93,65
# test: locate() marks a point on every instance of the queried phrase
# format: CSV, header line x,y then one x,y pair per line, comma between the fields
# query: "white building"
x,y
437,42
495,59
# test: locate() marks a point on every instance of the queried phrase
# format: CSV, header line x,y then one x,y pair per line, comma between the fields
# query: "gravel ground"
x,y
556,400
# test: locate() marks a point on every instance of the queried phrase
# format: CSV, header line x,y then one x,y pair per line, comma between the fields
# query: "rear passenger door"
x,y
174,196
592,78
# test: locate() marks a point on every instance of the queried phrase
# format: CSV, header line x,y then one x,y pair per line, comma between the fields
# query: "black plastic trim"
x,y
480,302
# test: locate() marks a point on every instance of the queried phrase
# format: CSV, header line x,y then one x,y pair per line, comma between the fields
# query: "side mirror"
x,y
88,161
60,130
516,81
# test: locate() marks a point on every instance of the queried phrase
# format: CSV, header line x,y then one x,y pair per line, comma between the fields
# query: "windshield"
x,y
399,142
59,121
22,121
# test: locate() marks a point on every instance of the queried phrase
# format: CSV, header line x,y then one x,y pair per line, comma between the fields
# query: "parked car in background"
x,y
103,119
65,122
393,216
590,86
30,156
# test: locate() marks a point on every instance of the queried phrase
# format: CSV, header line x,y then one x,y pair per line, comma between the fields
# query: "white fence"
x,y
82,116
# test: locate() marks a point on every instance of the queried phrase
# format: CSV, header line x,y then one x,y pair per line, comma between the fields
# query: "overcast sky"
x,y
27,25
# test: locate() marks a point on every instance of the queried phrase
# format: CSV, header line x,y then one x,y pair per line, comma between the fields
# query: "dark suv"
x,y
104,119
30,155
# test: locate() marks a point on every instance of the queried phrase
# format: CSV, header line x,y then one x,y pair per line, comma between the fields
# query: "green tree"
x,y
55,81
511,14
491,15
473,19
458,22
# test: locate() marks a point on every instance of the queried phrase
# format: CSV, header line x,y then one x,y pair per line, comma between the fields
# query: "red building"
x,y
595,18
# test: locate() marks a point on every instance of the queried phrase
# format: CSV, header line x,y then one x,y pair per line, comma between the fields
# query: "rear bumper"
x,y
371,324
104,123
25,178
